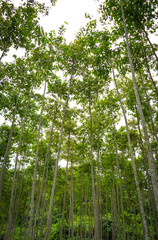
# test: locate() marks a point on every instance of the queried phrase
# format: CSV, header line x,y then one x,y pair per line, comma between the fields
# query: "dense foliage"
x,y
78,136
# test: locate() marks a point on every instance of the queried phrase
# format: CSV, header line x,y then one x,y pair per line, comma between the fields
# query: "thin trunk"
x,y
98,190
113,213
149,149
72,203
135,217
4,49
129,204
69,232
150,110
120,184
2,175
133,163
100,216
64,199
89,219
81,212
35,168
49,219
151,45
76,218
150,190
36,220
123,218
59,212
92,175
148,68
92,227
107,216
118,205
86,197
38,197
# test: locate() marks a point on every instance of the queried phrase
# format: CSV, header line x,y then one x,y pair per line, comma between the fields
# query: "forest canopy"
x,y
79,124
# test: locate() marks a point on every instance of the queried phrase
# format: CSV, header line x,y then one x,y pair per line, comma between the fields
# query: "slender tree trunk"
x,y
107,217
152,47
135,217
89,219
81,212
113,213
149,185
35,168
129,204
98,190
49,219
150,110
133,164
2,175
92,227
86,197
149,149
64,199
72,203
92,175
148,68
118,204
36,208
4,49
120,184
123,218
69,232
76,216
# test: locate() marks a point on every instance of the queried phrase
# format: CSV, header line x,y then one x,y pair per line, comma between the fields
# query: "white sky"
x,y
71,11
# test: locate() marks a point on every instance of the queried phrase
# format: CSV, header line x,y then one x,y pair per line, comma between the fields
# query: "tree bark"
x,y
152,47
148,68
129,204
64,199
149,185
149,149
120,184
133,163
150,110
92,175
49,219
72,202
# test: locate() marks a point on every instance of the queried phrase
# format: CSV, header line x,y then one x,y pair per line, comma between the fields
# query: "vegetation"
x,y
79,143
